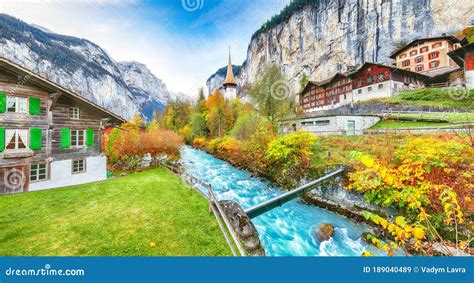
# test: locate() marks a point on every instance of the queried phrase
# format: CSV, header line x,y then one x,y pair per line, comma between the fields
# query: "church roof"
x,y
229,78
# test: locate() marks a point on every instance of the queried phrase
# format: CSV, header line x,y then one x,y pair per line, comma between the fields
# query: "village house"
x,y
49,136
427,56
368,82
464,57
328,94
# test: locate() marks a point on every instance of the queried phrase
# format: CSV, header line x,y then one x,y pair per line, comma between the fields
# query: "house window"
x,y
16,139
38,172
404,55
77,138
406,63
380,86
359,91
419,59
17,104
369,88
424,49
369,80
433,55
434,64
78,166
322,122
413,53
436,45
74,113
420,68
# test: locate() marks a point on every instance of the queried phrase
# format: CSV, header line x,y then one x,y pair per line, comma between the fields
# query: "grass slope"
x,y
116,217
460,99
392,124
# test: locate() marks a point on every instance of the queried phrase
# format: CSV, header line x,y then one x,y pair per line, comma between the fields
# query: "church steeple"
x,y
229,78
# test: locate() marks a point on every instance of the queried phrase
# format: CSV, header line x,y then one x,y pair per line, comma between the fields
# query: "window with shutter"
x,y
35,138
3,102
89,137
65,138
35,106
2,139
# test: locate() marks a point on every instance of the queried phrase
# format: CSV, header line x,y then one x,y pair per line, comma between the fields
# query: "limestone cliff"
x,y
327,36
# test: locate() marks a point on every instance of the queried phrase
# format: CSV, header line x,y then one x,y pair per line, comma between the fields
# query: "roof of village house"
x,y
229,78
449,38
37,79
366,64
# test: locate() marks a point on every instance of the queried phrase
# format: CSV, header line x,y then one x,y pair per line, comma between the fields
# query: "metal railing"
x,y
214,207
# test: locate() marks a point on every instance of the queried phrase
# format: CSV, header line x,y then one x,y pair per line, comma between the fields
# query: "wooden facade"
x,y
31,140
369,81
325,93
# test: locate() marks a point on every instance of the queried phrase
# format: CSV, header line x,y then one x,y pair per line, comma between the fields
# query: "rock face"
x,y
328,36
149,92
83,67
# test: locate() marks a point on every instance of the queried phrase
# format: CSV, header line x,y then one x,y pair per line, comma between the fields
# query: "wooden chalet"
x,y
49,136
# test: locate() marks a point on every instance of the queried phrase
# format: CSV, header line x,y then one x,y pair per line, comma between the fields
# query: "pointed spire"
x,y
229,78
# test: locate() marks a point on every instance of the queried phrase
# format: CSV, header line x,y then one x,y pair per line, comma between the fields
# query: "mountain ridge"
x,y
83,67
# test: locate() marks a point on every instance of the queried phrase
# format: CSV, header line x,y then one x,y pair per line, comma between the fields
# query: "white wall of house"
x,y
61,174
380,90
469,78
331,125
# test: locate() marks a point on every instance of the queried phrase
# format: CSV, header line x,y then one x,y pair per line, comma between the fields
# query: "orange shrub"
x,y
160,142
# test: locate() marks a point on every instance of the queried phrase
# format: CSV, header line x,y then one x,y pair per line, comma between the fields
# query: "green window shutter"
x,y
65,138
36,137
35,106
2,139
3,102
89,137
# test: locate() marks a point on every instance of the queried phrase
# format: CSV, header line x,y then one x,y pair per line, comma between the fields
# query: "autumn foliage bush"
x,y
126,146
430,181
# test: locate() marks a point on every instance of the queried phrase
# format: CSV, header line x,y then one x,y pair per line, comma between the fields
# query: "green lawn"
x,y
461,99
450,117
117,217
392,124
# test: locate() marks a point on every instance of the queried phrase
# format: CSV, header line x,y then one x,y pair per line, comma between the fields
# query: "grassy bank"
x,y
460,99
147,213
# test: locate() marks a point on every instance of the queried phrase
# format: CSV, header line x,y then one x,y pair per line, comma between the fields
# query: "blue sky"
x,y
181,41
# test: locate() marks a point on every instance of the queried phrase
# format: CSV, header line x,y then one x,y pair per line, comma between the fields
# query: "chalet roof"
x,y
229,78
39,80
458,54
451,39
398,70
